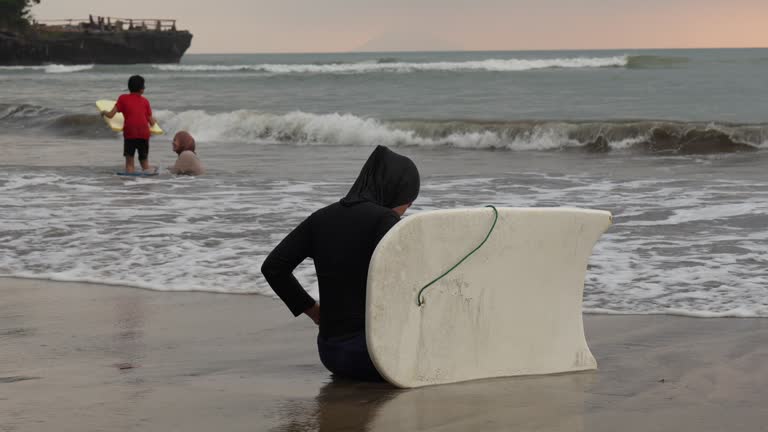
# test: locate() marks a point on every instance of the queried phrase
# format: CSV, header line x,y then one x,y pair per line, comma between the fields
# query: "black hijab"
x,y
387,179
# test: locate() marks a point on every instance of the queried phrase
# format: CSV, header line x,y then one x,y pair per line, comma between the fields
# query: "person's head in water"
x,y
387,179
136,84
183,141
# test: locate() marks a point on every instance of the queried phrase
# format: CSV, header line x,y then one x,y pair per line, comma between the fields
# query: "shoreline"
x,y
82,356
588,312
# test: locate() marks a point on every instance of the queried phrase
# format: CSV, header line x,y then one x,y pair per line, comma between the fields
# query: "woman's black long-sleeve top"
x,y
341,240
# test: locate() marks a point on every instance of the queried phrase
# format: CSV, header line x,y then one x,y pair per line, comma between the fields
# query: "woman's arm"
x,y
279,265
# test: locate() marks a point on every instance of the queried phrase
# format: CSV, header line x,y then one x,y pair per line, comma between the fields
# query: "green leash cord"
x,y
419,301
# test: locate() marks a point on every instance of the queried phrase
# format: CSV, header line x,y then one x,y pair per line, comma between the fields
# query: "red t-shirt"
x,y
136,111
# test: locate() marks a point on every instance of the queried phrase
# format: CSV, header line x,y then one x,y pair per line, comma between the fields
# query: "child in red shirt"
x,y
138,119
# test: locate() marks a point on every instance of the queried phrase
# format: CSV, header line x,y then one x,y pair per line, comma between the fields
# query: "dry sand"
x,y
84,357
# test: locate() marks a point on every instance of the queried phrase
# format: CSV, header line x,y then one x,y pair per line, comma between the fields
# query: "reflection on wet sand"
x,y
554,402
129,349
206,362
128,343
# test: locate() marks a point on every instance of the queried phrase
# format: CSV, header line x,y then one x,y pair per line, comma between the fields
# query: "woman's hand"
x,y
314,313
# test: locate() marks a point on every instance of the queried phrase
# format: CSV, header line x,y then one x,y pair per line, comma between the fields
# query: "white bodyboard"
x,y
116,123
514,307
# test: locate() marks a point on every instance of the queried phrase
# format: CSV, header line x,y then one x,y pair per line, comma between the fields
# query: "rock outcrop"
x,y
93,47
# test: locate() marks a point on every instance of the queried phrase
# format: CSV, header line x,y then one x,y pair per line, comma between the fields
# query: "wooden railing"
x,y
95,23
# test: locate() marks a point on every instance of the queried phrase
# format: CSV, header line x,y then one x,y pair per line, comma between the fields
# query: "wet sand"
x,y
83,357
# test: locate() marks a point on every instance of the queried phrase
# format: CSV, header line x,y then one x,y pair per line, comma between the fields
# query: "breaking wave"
x,y
52,68
302,128
394,65
11,112
35,118
298,127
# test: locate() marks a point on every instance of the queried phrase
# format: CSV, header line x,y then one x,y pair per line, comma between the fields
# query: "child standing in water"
x,y
138,119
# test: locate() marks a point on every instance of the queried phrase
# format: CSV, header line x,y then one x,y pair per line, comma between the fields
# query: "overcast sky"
x,y
240,26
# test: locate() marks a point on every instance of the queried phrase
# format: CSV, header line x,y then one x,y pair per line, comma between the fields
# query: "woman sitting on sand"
x,y
340,238
187,162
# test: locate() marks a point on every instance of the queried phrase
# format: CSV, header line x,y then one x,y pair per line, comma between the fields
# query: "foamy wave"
x,y
53,68
211,233
707,213
22,111
67,69
350,130
491,65
344,129
743,312
296,127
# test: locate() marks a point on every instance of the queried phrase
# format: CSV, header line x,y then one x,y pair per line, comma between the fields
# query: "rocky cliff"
x,y
97,47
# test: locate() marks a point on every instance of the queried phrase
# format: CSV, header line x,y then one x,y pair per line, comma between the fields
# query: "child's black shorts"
x,y
131,145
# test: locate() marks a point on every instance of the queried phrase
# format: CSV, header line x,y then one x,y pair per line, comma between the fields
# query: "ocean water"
x,y
674,143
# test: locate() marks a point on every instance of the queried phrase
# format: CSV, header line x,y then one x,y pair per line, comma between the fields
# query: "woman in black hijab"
x,y
340,239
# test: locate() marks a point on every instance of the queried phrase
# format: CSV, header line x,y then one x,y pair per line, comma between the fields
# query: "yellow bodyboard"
x,y
116,123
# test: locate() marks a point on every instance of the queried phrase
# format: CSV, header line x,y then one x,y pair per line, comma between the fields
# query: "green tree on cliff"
x,y
14,14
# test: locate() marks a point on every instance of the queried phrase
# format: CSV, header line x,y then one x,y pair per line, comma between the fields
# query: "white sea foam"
x,y
626,143
703,255
733,313
350,130
53,68
298,127
709,213
67,68
346,129
491,65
